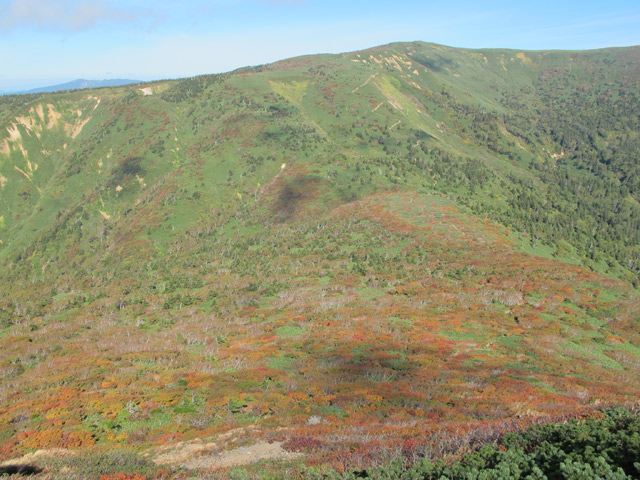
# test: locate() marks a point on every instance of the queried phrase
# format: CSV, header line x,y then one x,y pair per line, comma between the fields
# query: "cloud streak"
x,y
63,16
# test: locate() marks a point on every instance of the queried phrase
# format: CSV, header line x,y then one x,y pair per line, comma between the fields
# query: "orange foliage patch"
x,y
32,439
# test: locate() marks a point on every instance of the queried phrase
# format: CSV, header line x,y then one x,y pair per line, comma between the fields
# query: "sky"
x,y
46,42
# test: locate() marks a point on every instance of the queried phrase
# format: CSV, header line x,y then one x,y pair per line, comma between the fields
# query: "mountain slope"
x,y
388,242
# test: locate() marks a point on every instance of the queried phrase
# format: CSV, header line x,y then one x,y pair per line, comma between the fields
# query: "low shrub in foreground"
x,y
596,448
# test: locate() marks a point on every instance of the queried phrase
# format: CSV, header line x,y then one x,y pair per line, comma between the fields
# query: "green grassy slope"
x,y
388,240
541,140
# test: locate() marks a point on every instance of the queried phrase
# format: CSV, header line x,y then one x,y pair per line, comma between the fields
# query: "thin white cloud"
x,y
60,15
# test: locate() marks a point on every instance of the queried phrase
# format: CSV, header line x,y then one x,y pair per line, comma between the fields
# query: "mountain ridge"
x,y
360,249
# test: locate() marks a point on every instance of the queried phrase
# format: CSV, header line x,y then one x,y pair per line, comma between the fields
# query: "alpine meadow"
x,y
411,261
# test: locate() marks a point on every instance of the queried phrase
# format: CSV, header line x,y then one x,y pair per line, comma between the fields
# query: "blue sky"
x,y
43,42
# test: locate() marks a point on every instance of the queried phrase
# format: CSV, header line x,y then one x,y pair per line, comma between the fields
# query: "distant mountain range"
x,y
75,85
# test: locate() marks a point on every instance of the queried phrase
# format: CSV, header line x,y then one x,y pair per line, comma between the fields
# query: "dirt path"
x,y
241,456
365,83
209,453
